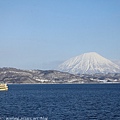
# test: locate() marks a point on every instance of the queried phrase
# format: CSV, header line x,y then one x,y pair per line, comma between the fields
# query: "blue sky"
x,y
36,33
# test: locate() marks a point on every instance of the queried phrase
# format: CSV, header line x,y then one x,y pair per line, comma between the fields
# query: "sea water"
x,y
61,102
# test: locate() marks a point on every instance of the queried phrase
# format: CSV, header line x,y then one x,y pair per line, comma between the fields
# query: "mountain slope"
x,y
18,76
89,63
13,75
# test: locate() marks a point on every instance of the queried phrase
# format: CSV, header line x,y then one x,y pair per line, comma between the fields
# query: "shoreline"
x,y
58,83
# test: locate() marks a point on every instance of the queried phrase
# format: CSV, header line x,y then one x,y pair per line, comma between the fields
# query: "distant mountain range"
x,y
86,68
89,63
13,75
18,76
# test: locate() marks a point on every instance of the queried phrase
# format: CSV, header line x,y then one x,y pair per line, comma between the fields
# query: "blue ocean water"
x,y
61,101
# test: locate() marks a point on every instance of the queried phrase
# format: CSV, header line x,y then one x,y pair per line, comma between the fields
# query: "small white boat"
x,y
3,87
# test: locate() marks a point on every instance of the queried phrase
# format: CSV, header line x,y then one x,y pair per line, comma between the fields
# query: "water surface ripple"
x,y
62,101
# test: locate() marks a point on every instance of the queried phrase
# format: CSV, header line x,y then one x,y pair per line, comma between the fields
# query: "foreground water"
x,y
61,102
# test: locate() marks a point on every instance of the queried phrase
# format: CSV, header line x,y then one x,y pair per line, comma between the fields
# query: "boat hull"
x,y
3,87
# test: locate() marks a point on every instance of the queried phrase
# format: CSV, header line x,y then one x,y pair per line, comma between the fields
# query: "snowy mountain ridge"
x,y
89,63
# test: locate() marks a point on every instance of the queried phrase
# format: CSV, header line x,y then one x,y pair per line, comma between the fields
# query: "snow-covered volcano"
x,y
89,63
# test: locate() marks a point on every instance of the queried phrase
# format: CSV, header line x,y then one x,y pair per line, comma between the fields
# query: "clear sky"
x,y
36,33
